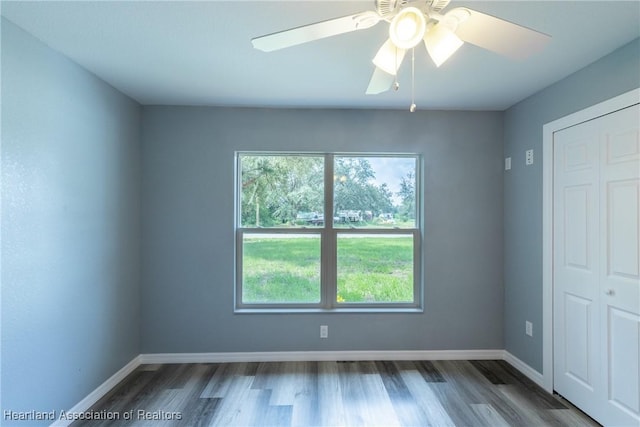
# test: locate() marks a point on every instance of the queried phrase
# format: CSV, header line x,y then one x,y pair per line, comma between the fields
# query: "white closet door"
x,y
576,264
596,266
620,266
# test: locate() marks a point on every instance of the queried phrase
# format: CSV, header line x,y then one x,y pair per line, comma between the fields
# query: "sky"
x,y
391,170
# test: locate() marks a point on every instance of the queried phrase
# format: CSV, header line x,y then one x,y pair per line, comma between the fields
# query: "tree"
x,y
355,187
276,188
407,194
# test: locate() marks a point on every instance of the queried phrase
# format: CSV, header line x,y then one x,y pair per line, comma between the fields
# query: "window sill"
x,y
350,310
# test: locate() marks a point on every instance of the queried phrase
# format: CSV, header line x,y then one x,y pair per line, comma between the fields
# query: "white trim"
x,y
319,356
617,103
104,388
525,369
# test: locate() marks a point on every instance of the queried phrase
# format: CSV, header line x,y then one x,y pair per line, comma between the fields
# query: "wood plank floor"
x,y
382,393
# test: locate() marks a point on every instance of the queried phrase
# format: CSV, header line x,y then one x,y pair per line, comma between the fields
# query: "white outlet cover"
x,y
324,331
507,163
529,157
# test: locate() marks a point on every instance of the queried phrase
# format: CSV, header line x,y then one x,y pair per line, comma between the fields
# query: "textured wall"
x,y
612,75
188,228
70,228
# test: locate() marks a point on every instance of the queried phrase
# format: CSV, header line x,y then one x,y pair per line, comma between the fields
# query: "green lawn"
x,y
286,270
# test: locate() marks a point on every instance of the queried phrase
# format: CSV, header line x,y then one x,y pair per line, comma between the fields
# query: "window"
x,y
327,231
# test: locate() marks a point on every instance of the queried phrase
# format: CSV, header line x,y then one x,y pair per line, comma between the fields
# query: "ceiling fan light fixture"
x,y
389,57
407,28
441,43
442,34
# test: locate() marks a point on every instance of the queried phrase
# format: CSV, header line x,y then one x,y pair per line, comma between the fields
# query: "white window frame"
x,y
329,236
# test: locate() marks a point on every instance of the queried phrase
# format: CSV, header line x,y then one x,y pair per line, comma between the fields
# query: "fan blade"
x,y
389,57
500,36
380,82
319,30
441,43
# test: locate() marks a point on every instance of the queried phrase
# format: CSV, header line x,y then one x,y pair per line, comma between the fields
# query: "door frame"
x,y
619,102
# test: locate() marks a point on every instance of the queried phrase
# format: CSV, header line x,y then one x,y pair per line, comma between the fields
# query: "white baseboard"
x,y
527,370
320,356
86,403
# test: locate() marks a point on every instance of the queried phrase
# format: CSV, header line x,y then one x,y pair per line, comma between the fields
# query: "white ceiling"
x,y
199,52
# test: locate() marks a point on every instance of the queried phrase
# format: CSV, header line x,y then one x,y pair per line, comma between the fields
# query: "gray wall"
x,y
612,75
188,228
70,228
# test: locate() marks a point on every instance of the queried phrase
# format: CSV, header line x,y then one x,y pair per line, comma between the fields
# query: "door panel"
x,y
623,145
577,322
576,223
622,212
624,390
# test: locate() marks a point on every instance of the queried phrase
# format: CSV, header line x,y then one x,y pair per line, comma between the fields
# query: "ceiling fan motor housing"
x,y
387,9
437,5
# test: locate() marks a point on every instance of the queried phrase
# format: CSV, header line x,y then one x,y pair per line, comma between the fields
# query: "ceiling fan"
x,y
412,22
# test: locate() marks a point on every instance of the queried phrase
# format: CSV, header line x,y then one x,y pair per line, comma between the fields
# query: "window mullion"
x,y
328,238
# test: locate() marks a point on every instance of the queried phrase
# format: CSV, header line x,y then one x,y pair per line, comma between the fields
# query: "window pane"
x,y
282,191
375,268
280,268
374,192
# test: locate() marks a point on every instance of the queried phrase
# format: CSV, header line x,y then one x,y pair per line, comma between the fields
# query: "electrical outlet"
x,y
324,331
507,163
528,157
528,328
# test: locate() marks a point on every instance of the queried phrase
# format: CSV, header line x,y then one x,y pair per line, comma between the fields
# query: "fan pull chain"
x,y
413,80
396,85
